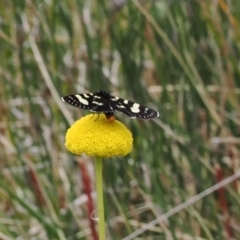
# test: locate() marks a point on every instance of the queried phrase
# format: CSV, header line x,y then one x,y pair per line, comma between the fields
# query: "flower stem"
x,y
100,205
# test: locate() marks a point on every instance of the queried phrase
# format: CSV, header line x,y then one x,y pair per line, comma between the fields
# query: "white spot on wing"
x,y
120,106
115,98
98,103
125,101
135,108
81,100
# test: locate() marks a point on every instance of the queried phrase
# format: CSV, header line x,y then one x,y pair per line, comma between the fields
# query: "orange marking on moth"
x,y
111,119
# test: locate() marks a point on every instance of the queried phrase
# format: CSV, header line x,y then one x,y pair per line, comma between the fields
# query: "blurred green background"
x,y
181,57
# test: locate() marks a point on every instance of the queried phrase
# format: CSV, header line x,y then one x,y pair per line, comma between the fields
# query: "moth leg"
x,y
97,116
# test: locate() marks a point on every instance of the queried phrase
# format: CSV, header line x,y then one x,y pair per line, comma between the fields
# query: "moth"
x,y
102,102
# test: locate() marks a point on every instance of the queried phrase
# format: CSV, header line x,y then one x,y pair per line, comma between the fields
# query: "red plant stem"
x,y
232,158
87,190
222,202
36,187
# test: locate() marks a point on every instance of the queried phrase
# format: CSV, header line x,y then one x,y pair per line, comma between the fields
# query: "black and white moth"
x,y
102,102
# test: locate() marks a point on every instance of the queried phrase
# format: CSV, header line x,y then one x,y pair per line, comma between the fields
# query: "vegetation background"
x,y
181,57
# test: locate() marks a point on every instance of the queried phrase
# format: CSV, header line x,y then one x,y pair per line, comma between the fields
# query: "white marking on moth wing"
x,y
81,100
135,108
115,98
98,103
86,95
120,106
125,101
97,96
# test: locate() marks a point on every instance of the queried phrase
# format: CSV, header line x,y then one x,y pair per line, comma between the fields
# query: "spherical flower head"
x,y
97,136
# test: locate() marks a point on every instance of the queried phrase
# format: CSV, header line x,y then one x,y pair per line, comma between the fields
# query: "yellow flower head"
x,y
98,137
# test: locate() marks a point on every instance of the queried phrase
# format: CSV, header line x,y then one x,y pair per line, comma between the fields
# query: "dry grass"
x,y
181,57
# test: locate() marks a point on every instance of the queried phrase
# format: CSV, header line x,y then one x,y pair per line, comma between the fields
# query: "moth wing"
x,y
119,105
83,101
94,102
132,109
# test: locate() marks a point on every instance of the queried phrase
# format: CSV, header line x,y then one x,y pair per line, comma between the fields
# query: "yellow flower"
x,y
97,136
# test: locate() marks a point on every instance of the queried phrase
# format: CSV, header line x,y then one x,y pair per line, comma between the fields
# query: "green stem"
x,y
100,205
